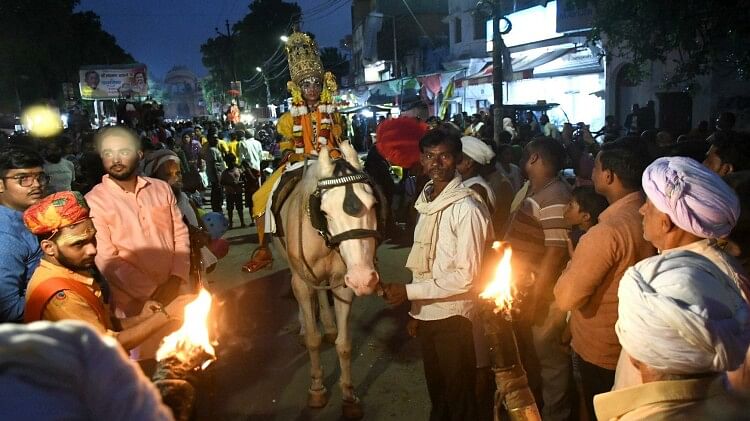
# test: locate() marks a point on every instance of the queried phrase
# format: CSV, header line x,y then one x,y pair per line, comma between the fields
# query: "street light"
x,y
284,38
265,80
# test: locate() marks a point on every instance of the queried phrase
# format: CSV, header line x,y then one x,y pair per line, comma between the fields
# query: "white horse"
x,y
330,222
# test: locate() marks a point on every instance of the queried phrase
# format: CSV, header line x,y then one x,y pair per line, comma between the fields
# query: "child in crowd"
x,y
231,180
583,212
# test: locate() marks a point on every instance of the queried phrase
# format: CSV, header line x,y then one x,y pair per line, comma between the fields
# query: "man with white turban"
x,y
477,154
683,322
688,208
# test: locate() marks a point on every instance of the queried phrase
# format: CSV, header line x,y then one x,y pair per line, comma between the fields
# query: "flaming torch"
x,y
512,385
182,355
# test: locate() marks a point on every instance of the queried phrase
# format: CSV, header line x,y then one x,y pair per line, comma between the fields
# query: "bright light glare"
x,y
246,118
284,38
192,337
42,120
499,290
258,69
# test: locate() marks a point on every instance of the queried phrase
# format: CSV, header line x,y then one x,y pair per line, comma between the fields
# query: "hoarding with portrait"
x,y
110,82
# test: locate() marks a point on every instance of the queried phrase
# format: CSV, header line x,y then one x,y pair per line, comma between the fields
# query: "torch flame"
x,y
192,338
499,290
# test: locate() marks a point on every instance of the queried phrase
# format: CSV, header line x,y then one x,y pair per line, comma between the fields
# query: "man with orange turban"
x,y
64,285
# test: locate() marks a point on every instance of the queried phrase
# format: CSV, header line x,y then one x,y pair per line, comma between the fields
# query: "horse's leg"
x,y
327,317
342,302
316,395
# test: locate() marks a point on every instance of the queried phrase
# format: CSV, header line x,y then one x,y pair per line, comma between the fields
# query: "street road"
x,y
262,371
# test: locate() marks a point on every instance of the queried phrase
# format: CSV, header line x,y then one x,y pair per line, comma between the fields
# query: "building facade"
x,y
550,60
183,96
393,38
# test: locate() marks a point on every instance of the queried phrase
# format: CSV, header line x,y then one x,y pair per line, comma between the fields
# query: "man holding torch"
x,y
449,241
63,286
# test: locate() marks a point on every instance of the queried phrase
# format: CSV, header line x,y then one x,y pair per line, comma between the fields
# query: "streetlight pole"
x,y
268,88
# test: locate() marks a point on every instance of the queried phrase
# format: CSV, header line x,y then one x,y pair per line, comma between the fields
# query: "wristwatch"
x,y
159,308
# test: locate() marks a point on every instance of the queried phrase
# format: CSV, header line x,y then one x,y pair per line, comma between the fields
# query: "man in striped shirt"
x,y
538,235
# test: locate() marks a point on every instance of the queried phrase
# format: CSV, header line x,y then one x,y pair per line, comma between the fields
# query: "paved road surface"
x,y
263,372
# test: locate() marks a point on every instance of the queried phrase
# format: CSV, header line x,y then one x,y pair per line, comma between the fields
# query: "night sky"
x,y
165,33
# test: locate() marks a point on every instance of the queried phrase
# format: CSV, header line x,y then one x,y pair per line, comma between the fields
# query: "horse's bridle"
x,y
319,222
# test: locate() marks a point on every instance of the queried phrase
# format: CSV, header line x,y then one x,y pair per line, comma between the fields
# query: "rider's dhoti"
x,y
262,197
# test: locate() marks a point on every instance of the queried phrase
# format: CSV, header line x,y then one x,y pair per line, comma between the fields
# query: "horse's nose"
x,y
362,282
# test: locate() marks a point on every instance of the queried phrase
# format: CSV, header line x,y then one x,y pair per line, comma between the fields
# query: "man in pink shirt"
x,y
144,248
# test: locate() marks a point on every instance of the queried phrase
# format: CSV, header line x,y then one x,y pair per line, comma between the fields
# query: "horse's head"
x,y
348,202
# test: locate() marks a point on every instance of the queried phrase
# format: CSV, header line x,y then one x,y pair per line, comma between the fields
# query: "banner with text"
x,y
111,82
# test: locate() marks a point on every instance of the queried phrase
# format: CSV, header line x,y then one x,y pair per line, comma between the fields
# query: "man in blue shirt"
x,y
22,184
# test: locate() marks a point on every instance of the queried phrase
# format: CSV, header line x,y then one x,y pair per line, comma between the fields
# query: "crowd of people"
x,y
632,271
630,253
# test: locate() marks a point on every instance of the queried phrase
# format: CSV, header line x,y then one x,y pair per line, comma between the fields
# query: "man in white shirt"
x,y
251,150
449,240
476,155
61,172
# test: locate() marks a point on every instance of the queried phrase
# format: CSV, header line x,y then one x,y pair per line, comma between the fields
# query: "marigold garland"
x,y
325,111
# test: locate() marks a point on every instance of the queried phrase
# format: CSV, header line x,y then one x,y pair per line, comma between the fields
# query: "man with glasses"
x,y
22,184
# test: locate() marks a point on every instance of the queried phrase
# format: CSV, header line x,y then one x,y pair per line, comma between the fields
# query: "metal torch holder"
x,y
510,378
176,381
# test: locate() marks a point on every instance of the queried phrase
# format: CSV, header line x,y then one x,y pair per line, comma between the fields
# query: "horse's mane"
x,y
309,182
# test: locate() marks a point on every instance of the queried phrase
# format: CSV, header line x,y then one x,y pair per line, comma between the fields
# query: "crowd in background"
x,y
584,212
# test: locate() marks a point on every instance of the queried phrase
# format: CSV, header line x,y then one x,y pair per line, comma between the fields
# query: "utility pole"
x,y
497,70
230,48
265,80
396,70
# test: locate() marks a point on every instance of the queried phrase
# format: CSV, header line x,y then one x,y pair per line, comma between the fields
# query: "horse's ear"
x,y
351,154
325,165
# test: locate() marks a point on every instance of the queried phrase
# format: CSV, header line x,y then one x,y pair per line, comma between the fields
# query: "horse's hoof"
x,y
317,398
330,337
352,410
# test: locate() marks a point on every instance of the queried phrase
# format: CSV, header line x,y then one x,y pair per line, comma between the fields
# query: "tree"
x,y
693,37
335,62
44,43
255,43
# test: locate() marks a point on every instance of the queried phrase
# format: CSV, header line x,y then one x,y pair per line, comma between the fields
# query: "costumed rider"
x,y
311,123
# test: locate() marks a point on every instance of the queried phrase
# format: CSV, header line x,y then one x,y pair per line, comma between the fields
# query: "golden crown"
x,y
304,57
